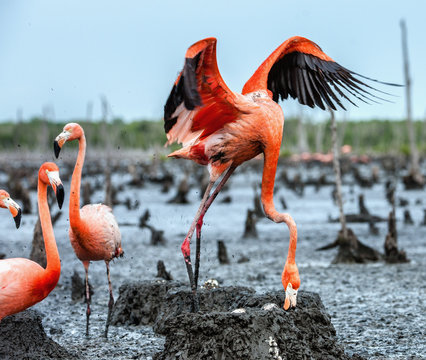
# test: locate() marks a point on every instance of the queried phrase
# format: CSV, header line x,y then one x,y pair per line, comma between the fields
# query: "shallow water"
x,y
378,310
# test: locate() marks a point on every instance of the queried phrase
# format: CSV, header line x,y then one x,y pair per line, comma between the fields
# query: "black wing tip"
x,y
317,82
184,91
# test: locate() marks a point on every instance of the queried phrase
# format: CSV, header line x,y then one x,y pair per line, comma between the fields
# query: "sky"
x,y
59,58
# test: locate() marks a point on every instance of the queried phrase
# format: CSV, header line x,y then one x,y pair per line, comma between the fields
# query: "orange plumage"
x,y
23,282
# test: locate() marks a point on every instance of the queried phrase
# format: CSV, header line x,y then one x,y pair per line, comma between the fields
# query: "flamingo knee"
x,y
186,249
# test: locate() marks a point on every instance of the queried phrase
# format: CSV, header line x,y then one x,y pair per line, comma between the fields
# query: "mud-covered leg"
x,y
198,250
111,300
86,268
209,200
186,250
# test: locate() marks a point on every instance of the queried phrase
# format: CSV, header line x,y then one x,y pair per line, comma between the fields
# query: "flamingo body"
x,y
23,283
240,140
97,237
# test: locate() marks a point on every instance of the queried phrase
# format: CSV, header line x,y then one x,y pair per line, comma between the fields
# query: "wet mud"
x,y
22,336
377,310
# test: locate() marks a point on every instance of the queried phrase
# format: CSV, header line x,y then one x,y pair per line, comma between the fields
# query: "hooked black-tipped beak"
x,y
17,218
60,195
57,148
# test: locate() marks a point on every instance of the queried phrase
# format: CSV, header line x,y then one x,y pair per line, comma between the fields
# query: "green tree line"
x,y
372,137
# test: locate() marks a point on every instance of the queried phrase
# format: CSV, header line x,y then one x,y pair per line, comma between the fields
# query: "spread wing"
x,y
200,103
300,69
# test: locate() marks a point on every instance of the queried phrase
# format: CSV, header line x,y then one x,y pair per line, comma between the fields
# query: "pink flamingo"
x,y
94,232
222,129
23,282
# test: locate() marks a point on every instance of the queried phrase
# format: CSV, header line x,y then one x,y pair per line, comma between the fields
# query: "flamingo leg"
x,y
111,300
186,250
199,223
86,268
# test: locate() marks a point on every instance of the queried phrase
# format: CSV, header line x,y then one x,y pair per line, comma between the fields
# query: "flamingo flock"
x,y
218,128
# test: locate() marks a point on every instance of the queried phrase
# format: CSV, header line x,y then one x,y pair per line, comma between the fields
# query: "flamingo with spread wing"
x,y
222,129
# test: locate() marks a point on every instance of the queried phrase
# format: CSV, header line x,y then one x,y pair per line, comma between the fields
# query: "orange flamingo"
x,y
222,129
94,232
23,282
7,203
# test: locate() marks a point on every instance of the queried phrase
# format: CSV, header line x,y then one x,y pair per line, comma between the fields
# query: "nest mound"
x,y
22,336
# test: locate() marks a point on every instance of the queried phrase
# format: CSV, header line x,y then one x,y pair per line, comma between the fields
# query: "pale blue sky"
x,y
64,53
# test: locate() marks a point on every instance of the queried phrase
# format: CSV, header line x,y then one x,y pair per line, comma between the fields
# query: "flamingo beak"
x,y
60,141
56,148
290,297
15,210
60,195
57,186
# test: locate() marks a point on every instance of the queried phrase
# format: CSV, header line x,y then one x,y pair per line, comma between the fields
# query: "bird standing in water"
x,y
222,129
23,282
94,232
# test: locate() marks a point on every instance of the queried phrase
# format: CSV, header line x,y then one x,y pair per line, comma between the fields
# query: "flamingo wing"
x,y
200,103
300,69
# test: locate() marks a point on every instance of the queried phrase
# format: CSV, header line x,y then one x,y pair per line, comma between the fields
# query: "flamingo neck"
x,y
53,267
268,181
74,208
259,79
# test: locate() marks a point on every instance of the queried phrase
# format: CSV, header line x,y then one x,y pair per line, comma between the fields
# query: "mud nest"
x,y
233,323
22,337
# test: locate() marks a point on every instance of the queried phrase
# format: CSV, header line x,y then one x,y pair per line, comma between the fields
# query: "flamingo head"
x,y
49,175
71,131
7,203
291,282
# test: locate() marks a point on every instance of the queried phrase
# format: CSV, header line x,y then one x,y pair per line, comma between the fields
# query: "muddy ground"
x,y
378,310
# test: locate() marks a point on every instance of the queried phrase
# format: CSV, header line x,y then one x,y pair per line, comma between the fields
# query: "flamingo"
x,y
23,282
7,203
94,232
222,129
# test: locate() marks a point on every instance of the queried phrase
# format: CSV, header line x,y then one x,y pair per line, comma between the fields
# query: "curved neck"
x,y
259,80
268,181
74,208
52,256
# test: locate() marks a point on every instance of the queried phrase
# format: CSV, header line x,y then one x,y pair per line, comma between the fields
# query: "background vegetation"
x,y
372,137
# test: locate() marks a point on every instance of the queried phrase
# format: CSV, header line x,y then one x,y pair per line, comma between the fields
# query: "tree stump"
x,y
408,220
87,192
157,236
250,225
182,193
78,288
222,253
392,254
162,272
362,208
351,250
424,217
